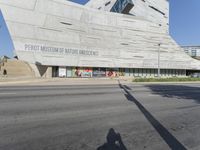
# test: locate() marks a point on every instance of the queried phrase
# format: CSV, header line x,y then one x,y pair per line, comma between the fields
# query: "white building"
x,y
193,51
103,38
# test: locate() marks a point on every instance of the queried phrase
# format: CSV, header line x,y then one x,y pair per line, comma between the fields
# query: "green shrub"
x,y
165,79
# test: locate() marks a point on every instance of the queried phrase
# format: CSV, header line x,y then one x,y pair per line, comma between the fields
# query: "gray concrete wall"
x,y
101,4
153,10
62,33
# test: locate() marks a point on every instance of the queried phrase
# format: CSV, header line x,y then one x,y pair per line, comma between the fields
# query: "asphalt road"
x,y
100,117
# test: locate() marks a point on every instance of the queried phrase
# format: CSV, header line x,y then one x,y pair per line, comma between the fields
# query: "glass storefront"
x,y
89,72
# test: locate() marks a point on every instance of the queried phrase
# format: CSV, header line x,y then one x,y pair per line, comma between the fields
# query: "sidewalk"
x,y
17,81
61,81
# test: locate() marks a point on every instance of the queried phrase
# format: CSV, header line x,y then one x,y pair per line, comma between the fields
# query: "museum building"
x,y
104,38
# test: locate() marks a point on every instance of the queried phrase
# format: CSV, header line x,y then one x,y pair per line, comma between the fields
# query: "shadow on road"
x,y
177,91
172,142
114,142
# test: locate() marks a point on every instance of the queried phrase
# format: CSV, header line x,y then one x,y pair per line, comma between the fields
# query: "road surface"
x,y
100,117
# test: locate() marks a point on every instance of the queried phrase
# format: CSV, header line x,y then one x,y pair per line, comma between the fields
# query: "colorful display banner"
x,y
112,72
86,73
82,72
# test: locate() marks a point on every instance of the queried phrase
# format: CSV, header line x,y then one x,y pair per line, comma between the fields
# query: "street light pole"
x,y
159,60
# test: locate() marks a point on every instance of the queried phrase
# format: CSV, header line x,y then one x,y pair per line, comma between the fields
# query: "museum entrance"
x,y
55,71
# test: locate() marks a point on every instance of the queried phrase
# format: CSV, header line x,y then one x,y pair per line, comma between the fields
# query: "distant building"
x,y
193,51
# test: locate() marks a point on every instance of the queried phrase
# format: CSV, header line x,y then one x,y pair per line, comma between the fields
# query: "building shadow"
x,y
176,91
114,142
170,140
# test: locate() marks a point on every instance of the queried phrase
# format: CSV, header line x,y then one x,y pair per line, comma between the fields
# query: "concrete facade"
x,y
62,33
153,10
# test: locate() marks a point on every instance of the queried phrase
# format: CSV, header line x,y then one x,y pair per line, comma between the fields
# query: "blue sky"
x,y
184,25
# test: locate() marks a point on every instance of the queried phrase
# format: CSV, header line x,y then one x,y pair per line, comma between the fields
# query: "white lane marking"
x,y
7,93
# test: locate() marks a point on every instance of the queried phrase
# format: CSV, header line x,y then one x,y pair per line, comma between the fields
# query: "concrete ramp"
x,y
16,68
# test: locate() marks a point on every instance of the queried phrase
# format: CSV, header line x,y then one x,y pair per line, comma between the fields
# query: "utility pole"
x,y
159,60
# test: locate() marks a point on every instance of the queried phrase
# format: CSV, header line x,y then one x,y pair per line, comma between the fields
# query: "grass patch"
x,y
165,79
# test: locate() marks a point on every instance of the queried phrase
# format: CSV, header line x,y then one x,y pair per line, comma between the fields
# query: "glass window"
x,y
144,72
127,72
136,72
194,52
140,72
155,72
131,72
161,72
174,72
120,5
148,72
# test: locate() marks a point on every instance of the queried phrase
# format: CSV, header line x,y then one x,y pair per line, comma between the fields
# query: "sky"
x,y
184,25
